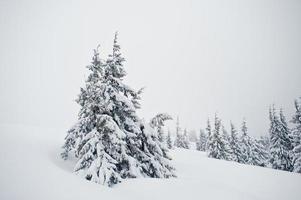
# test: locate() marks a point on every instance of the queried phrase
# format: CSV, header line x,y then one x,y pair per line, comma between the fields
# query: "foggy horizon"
x,y
195,58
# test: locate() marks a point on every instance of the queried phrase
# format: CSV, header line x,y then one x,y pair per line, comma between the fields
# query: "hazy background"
x,y
194,57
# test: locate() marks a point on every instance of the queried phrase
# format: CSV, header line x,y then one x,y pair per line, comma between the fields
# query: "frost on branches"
x,y
109,140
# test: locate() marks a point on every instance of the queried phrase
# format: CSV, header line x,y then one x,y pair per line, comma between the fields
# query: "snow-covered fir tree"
x,y
226,139
157,161
201,142
169,140
280,143
296,137
217,147
178,140
109,140
296,121
209,134
181,140
234,144
265,142
158,122
246,144
186,139
259,154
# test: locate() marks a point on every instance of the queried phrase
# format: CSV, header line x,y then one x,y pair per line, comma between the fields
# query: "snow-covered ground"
x,y
31,168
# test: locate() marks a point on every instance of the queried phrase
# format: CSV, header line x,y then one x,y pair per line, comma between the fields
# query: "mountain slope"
x,y
31,168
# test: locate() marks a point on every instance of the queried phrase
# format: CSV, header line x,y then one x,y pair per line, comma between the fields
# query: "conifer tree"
x,y
216,146
156,164
226,139
181,140
280,143
209,135
201,142
185,140
285,129
158,122
234,144
259,154
178,140
109,139
169,141
296,138
265,142
246,144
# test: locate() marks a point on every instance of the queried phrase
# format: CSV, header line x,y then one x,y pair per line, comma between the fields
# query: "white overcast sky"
x,y
194,57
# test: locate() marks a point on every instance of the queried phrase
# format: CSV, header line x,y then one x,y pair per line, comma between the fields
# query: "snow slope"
x,y
30,168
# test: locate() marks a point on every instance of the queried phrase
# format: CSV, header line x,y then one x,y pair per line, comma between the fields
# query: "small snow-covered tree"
x,y
216,146
259,154
181,140
158,122
297,159
234,145
209,135
178,140
156,163
280,143
296,137
265,142
169,141
109,139
185,139
226,139
246,144
201,142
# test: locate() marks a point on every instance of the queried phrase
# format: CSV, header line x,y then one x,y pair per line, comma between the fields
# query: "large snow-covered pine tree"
x,y
107,138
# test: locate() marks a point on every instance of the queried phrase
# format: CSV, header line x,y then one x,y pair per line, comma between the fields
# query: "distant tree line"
x,y
280,149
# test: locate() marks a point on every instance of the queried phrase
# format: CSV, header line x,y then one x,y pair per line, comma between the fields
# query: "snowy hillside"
x,y
31,168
